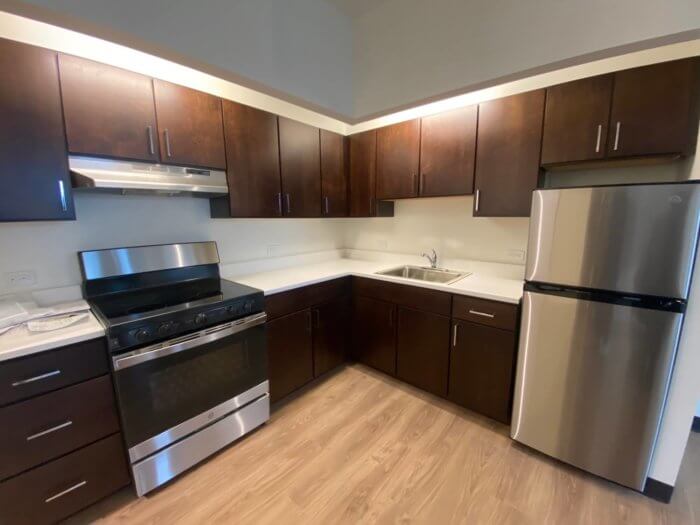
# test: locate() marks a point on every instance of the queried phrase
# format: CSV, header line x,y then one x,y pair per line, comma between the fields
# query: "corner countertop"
x,y
494,281
20,342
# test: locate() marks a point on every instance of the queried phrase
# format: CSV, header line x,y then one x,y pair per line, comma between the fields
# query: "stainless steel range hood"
x,y
121,176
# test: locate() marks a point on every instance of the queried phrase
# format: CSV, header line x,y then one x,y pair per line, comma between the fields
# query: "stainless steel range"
x,y
188,351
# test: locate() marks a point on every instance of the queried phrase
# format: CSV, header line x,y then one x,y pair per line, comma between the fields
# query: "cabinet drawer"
x,y
284,303
404,295
58,489
29,376
482,311
54,424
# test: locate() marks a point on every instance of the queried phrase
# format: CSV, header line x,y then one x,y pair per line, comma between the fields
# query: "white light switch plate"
x,y
21,279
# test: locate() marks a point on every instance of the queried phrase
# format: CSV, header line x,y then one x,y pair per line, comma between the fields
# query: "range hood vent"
x,y
120,176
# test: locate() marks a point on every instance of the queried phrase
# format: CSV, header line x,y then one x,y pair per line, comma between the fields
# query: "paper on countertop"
x,y
13,313
48,324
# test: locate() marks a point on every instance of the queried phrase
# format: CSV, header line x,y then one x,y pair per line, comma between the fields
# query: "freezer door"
x,y
633,239
591,383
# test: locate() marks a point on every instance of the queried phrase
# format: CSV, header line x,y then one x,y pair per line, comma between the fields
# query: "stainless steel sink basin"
x,y
420,273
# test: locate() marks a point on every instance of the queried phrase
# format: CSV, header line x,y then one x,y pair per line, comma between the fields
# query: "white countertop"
x,y
487,280
20,341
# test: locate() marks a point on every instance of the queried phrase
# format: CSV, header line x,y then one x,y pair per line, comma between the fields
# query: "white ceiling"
x,y
354,59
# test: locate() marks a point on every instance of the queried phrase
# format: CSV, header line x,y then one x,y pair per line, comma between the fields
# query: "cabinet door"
x,y
252,155
508,155
481,369
398,147
190,125
289,353
300,164
334,188
576,120
447,149
423,347
363,171
108,111
330,336
33,157
374,329
654,109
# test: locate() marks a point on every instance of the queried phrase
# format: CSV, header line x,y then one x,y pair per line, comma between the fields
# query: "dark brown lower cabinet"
x,y
423,346
374,333
330,334
64,486
289,347
482,361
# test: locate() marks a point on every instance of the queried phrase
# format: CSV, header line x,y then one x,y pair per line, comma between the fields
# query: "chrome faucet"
x,y
432,259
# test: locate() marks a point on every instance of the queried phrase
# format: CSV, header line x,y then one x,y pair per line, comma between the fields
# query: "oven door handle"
x,y
186,342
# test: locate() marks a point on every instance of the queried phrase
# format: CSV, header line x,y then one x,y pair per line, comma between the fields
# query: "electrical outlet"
x,y
516,255
21,279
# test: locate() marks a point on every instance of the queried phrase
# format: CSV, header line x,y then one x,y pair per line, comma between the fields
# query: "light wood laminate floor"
x,y
362,448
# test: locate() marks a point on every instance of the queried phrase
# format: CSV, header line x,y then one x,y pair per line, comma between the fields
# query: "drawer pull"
x,y
49,430
67,491
482,314
37,378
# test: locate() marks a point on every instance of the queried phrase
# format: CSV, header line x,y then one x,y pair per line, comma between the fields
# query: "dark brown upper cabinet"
x,y
447,149
508,155
108,111
252,155
398,150
300,165
655,110
190,125
576,120
334,187
362,177
33,157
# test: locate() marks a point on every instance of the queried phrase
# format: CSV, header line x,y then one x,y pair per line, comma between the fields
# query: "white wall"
x,y
50,248
445,224
303,48
407,50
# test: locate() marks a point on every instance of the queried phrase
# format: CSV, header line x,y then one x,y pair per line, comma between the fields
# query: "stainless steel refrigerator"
x,y
607,278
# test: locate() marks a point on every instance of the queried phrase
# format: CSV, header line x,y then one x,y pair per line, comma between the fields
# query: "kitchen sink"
x,y
420,273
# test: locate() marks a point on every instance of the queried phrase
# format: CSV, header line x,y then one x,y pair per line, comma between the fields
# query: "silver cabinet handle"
x,y
151,145
279,202
617,136
36,378
49,430
476,200
168,151
62,195
289,203
64,492
597,140
325,204
482,314
455,329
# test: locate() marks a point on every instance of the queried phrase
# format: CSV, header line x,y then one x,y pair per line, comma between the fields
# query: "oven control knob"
x,y
164,328
200,318
142,334
248,306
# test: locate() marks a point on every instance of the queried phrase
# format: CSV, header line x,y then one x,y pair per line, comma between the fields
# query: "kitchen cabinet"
x,y
423,346
190,125
374,333
33,158
508,154
655,109
576,120
398,149
334,188
108,111
362,177
482,361
447,149
252,155
330,334
300,166
289,347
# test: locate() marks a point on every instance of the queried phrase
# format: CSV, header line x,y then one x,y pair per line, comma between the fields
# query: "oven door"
x,y
171,389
